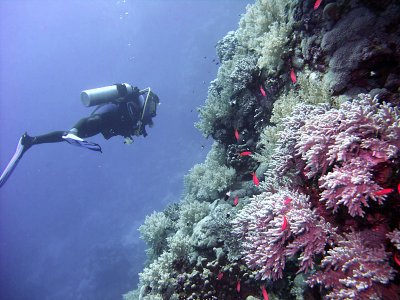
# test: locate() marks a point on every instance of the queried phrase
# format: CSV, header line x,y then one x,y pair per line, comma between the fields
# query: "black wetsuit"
x,y
111,119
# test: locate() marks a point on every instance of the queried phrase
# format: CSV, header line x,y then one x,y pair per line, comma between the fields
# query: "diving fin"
x,y
77,141
13,162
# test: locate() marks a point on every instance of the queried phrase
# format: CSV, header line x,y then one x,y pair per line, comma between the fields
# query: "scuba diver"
x,y
121,109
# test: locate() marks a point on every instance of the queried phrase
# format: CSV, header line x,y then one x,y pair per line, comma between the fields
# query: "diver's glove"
x,y
128,140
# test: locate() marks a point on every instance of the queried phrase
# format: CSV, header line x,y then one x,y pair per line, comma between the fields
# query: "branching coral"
x,y
226,47
268,242
233,76
352,270
158,274
265,28
354,139
205,181
350,185
154,231
394,237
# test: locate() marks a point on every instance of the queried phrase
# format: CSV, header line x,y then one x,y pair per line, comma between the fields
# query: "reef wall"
x,y
299,196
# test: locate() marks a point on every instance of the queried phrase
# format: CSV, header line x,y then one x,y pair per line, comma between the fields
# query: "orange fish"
x,y
317,4
238,286
262,91
287,201
245,153
237,135
236,201
255,179
293,75
264,292
396,259
284,223
383,192
220,275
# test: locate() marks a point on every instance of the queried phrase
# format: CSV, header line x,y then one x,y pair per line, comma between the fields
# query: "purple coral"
x,y
354,140
356,270
267,244
350,185
394,237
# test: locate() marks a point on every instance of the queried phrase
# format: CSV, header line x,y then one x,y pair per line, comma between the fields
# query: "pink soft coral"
x,y
267,244
356,270
353,140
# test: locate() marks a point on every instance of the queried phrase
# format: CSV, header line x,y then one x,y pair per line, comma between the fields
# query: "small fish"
x,y
237,134
317,4
293,75
262,91
396,259
398,188
287,200
284,223
227,195
236,201
220,275
255,179
383,192
238,286
245,153
264,292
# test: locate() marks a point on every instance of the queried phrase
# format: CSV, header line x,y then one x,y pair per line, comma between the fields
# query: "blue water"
x,y
69,216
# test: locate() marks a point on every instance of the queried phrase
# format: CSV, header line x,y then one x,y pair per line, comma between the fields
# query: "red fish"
x,y
255,179
220,275
264,292
262,91
293,75
398,188
238,286
237,135
317,4
245,153
396,259
284,223
287,201
236,201
383,192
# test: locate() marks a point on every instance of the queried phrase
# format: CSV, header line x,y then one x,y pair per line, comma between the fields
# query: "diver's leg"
x,y
28,141
51,137
88,127
24,143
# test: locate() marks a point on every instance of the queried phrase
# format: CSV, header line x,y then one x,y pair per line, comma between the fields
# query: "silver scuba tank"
x,y
102,95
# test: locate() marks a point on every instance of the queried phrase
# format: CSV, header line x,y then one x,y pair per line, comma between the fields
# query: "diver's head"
x,y
150,104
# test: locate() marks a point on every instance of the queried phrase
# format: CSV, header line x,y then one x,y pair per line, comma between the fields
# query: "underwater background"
x,y
68,216
286,187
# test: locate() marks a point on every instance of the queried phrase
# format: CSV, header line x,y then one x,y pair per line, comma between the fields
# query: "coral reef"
x,y
353,270
298,197
275,227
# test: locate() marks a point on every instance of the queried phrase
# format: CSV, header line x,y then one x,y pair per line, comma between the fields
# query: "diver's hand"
x,y
128,140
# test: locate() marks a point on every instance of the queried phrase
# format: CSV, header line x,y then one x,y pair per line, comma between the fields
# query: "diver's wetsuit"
x,y
111,119
126,116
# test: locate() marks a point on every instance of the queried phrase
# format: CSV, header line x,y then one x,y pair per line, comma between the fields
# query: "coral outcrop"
x,y
299,195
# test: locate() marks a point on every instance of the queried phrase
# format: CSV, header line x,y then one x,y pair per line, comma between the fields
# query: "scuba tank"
x,y
105,94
